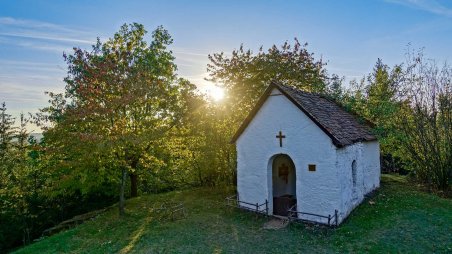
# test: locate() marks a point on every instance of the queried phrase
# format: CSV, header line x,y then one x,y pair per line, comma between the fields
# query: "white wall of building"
x,y
372,167
367,158
305,143
322,192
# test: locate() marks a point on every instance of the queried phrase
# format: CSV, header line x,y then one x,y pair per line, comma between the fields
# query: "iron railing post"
x,y
335,215
266,207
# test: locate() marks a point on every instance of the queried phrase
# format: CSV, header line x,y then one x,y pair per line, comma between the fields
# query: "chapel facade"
x,y
302,152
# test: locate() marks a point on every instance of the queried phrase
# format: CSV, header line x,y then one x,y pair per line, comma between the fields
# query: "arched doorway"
x,y
283,184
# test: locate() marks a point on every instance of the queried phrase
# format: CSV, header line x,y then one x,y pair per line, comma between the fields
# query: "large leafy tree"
x,y
121,98
245,74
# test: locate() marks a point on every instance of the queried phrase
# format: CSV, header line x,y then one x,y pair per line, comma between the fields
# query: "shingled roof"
x,y
342,127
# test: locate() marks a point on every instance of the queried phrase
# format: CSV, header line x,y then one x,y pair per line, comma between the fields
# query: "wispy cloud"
x,y
29,66
431,6
23,82
192,65
35,24
47,37
190,53
42,35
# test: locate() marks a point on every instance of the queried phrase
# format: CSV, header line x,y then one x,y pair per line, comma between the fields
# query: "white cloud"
x,y
181,52
22,82
8,66
33,35
8,21
431,6
42,35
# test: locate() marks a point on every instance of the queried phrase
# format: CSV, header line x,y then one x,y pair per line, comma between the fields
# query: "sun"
x,y
216,93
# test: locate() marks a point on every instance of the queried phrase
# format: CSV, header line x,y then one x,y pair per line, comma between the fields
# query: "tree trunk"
x,y
133,185
121,192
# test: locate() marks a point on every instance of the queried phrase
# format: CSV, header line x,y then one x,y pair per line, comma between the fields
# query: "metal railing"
x,y
292,213
234,201
332,220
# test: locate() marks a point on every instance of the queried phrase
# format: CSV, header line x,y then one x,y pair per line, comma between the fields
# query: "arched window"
x,y
354,173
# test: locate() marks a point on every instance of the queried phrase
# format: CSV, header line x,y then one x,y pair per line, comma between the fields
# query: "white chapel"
x,y
302,152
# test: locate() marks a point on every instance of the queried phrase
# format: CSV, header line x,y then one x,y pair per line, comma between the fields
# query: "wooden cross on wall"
x,y
280,136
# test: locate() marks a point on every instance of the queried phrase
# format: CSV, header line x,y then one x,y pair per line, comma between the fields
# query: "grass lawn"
x,y
401,219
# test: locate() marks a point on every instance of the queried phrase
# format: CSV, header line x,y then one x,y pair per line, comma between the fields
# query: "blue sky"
x,y
349,35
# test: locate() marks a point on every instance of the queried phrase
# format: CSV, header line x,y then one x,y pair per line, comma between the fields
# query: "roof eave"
x,y
261,101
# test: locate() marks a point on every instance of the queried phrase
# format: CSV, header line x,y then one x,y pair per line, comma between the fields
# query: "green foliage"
x,y
426,120
122,98
213,158
375,99
245,75
6,130
410,110
28,204
21,184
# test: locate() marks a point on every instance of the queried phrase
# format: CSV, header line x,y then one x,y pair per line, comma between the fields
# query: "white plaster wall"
x,y
305,143
345,158
367,157
372,169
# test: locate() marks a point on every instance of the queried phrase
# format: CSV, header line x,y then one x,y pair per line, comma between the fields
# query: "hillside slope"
x,y
399,219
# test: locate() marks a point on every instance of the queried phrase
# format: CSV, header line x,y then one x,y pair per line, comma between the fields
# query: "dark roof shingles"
x,y
340,124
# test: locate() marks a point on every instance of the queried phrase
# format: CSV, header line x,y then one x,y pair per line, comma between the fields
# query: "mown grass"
x,y
400,218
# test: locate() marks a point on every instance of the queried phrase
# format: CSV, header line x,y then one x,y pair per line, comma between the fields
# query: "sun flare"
x,y
216,93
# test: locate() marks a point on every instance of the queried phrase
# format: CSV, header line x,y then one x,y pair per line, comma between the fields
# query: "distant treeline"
x,y
127,124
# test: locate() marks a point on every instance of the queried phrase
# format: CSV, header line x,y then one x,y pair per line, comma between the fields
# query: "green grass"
x,y
402,219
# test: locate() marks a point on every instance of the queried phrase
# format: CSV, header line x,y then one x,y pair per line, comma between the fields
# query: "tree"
x,y
7,158
212,158
245,75
20,182
426,120
375,99
410,108
7,130
123,97
22,133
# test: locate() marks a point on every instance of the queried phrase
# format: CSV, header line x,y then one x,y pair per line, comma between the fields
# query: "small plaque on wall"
x,y
311,167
